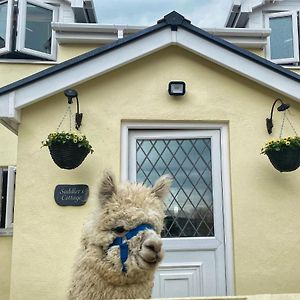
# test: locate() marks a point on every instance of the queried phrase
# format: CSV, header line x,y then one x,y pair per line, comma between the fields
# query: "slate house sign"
x,y
71,195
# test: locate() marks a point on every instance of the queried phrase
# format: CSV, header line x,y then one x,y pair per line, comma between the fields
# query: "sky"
x,y
202,13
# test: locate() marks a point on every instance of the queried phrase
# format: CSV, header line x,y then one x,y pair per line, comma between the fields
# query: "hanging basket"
x,y
285,160
68,150
283,153
68,155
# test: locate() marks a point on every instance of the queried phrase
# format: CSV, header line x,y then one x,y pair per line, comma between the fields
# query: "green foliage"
x,y
67,137
281,144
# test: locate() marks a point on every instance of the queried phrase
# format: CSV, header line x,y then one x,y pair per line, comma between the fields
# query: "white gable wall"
x,y
256,18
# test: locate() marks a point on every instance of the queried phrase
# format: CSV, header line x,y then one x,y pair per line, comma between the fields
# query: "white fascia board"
x,y
8,106
91,27
249,43
104,63
104,34
77,3
67,33
10,117
239,64
249,5
85,38
240,32
242,37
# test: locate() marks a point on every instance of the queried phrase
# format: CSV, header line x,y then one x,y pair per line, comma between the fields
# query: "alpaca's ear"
x,y
107,188
162,186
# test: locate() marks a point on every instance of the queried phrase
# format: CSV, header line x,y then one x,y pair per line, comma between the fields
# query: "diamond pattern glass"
x,y
189,208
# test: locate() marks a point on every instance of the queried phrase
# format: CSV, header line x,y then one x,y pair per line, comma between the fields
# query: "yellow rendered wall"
x,y
5,266
8,156
67,51
8,147
265,203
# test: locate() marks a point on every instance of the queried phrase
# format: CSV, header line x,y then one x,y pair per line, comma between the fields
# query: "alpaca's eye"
x,y
119,229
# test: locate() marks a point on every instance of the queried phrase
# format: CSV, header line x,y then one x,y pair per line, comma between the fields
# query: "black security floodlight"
x,y
176,88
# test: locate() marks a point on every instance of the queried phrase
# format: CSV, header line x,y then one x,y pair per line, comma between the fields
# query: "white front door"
x,y
193,237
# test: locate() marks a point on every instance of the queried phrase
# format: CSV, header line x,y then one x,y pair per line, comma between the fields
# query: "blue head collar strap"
x,y
121,241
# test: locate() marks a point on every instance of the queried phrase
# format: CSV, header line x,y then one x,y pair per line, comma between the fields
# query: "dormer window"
x,y
283,46
26,31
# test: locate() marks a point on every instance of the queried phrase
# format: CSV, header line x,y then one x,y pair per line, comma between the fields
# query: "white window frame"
x,y
9,20
9,215
20,41
225,169
294,59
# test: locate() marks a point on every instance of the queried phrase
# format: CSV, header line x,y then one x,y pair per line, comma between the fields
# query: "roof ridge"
x,y
174,19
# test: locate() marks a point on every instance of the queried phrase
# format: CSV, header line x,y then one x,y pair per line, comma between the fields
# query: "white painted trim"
x,y
227,215
12,112
226,185
27,61
95,28
6,232
242,32
293,14
180,270
10,196
85,38
205,243
20,41
8,32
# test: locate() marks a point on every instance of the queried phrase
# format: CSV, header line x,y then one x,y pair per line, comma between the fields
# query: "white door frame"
x,y
225,173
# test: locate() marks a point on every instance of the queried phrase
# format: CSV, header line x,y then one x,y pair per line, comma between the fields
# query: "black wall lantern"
x,y
70,94
176,88
281,107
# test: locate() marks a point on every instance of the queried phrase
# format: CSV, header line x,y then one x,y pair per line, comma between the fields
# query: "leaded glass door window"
x,y
189,208
193,237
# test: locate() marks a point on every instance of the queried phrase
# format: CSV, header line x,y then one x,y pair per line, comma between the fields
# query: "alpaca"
x,y
121,245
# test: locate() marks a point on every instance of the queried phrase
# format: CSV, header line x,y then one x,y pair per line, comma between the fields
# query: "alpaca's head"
x,y
122,209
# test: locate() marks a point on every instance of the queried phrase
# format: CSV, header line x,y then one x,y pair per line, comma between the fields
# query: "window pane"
x,y
3,19
189,208
281,37
3,195
38,28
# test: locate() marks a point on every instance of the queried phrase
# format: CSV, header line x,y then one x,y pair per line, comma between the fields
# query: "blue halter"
x,y
121,241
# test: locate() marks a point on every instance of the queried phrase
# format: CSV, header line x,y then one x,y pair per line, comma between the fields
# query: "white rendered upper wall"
x,y
250,13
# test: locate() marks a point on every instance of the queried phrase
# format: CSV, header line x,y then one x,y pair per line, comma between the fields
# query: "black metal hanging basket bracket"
x,y
70,94
281,107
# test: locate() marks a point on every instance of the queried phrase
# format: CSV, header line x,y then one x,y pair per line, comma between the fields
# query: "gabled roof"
x,y
173,29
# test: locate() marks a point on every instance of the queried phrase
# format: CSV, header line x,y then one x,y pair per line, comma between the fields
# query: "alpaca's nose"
x,y
153,245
